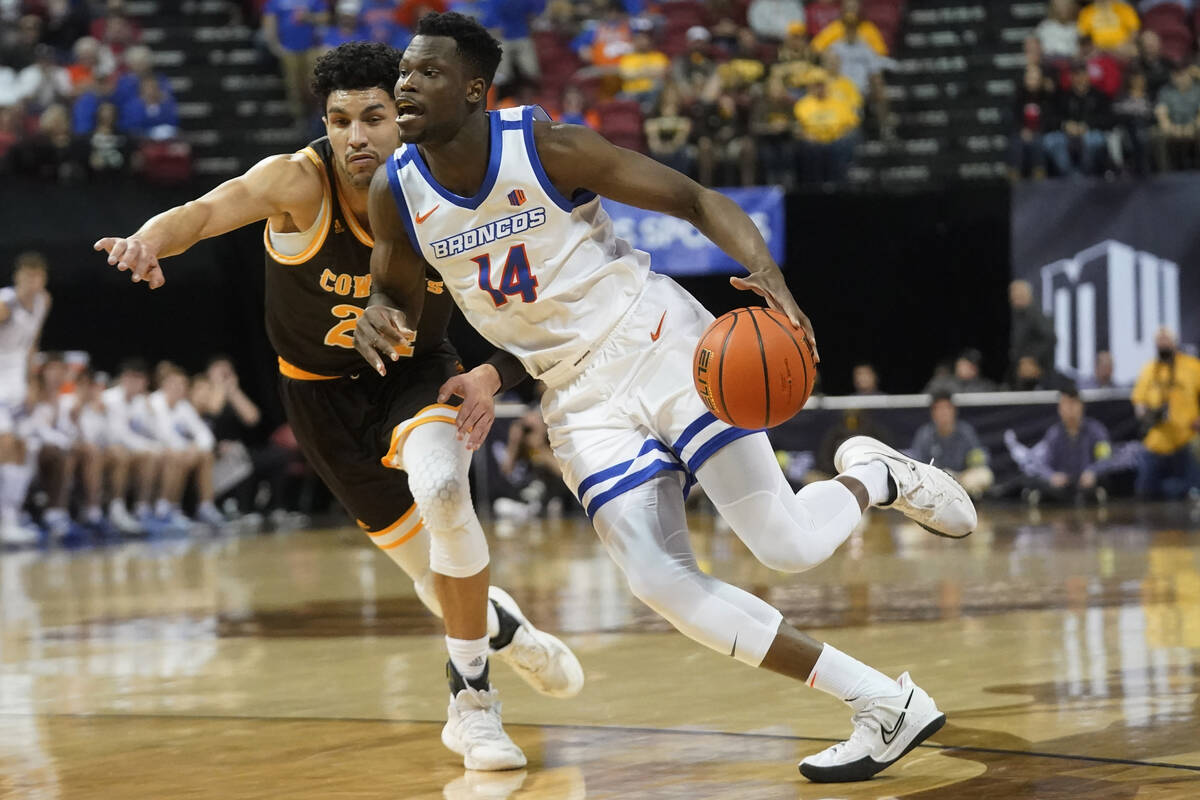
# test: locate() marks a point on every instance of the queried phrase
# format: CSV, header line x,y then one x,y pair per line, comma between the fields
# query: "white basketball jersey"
x,y
537,274
17,335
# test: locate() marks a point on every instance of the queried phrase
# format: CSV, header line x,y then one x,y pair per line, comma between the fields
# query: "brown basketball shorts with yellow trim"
x,y
344,427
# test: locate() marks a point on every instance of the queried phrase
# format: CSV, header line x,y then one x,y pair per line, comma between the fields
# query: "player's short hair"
x,y
1071,391
356,65
136,366
475,45
941,395
30,259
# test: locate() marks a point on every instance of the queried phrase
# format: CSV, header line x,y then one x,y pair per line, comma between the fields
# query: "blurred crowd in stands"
x,y
733,92
1109,89
728,91
80,100
91,454
1076,456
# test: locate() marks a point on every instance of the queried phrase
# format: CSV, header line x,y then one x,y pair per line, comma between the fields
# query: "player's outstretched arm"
x,y
271,187
397,281
576,157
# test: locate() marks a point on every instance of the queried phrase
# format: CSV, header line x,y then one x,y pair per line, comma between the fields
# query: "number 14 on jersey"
x,y
516,278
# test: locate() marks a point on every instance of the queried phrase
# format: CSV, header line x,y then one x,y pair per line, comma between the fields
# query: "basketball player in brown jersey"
x,y
358,426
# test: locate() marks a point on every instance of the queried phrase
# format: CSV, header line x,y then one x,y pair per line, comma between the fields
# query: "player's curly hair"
x,y
356,65
476,46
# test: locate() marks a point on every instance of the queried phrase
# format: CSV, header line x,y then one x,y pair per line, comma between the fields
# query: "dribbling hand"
x,y
134,255
771,287
379,331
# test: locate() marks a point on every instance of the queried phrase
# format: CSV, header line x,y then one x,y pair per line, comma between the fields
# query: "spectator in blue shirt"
x,y
152,114
953,445
380,18
1070,460
290,32
509,22
348,26
139,63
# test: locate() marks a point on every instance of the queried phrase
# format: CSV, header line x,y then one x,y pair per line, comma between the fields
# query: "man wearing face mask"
x,y
1166,399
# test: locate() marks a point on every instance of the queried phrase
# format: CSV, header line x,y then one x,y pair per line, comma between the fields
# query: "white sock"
x,y
117,506
162,508
8,516
848,679
493,620
54,515
93,514
141,507
874,476
208,505
469,656
14,483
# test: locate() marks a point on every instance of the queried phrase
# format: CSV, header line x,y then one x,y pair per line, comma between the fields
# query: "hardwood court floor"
x,y
1065,649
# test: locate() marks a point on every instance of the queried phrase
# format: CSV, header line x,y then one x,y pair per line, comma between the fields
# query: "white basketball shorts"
x,y
633,412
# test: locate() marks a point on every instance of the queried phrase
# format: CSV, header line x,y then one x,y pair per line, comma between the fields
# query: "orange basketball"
x,y
753,369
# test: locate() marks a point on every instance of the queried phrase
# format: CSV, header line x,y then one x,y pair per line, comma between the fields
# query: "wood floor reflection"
x,y
1065,648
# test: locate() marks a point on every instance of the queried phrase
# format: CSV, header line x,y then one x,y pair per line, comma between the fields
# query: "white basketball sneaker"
x,y
542,660
925,494
15,534
885,729
473,727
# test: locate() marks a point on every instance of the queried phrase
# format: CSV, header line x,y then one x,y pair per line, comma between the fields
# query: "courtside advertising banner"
x,y
677,248
1110,263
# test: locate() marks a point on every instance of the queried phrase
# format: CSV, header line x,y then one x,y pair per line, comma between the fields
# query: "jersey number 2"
x,y
516,278
342,334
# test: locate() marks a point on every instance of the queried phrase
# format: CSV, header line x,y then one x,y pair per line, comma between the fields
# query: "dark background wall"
x,y
902,281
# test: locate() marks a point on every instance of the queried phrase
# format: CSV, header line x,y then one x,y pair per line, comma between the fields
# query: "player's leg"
x,y
15,477
176,467
645,532
202,474
785,530
90,470
118,461
437,465
56,467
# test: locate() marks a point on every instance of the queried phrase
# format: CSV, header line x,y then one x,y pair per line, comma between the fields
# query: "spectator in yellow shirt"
x,y
851,18
840,86
828,131
643,70
1112,24
1166,399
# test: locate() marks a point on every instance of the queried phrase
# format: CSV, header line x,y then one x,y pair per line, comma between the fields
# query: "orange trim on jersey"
x,y
404,429
348,214
327,215
292,371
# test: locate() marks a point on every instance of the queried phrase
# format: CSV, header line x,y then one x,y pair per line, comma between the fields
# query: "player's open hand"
x,y
771,287
382,332
135,255
478,389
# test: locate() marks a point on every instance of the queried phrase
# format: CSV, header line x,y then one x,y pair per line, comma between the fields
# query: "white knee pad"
x,y
438,467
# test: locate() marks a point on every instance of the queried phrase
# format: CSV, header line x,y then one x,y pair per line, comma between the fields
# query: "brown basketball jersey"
x,y
314,298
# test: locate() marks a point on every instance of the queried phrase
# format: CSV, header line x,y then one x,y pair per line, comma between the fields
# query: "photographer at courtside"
x,y
1166,399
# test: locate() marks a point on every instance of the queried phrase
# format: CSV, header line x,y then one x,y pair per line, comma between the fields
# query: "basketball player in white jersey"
x,y
23,310
189,441
318,240
505,207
